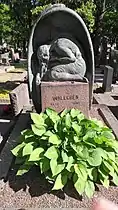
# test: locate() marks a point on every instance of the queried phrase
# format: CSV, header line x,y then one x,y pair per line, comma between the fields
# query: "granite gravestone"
x,y
113,62
60,61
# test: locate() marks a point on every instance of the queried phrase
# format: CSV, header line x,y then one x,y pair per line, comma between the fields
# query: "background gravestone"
x,y
58,23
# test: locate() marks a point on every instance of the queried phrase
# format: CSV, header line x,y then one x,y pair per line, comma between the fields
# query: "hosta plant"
x,y
68,146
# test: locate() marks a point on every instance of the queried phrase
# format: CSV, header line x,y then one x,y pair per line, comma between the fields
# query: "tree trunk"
x,y
97,35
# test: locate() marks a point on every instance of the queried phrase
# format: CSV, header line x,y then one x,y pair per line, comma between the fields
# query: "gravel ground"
x,y
33,191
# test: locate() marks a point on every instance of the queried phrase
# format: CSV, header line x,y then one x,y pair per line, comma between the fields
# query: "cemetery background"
x,y
101,19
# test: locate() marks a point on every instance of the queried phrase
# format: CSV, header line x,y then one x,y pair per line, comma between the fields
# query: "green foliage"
x,y
5,26
37,11
68,146
110,24
87,11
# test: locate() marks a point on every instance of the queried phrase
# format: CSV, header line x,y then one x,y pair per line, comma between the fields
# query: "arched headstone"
x,y
60,49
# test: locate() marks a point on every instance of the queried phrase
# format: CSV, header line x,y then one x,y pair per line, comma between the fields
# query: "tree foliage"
x,y
5,27
18,16
110,25
87,11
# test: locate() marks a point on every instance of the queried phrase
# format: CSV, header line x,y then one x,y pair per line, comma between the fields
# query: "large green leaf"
x,y
115,178
54,139
93,174
81,150
80,117
68,121
102,152
81,171
38,130
84,154
52,115
113,144
37,119
98,123
108,166
76,128
60,182
51,153
76,139
89,188
115,166
23,169
79,184
74,113
48,133
77,147
44,164
103,172
105,181
95,158
108,135
36,154
65,157
99,139
70,163
90,134
65,111
16,150
111,155
55,167
28,148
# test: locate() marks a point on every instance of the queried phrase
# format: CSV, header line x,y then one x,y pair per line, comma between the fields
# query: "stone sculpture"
x,y
43,58
60,49
60,61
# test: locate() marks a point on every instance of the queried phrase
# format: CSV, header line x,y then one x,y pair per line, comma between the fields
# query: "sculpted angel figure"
x,y
43,58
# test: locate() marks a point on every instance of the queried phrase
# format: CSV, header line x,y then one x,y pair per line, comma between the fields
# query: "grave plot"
x,y
108,108
10,78
32,189
67,145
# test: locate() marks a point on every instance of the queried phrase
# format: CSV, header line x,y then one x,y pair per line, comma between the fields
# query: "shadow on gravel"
x,y
37,184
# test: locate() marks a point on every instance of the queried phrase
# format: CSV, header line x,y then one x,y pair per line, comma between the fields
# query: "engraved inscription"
x,y
65,98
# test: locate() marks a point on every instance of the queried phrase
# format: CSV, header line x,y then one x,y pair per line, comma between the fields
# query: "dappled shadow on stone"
x,y
8,86
37,185
99,90
114,110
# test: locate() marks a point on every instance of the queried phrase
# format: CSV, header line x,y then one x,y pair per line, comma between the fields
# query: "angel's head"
x,y
43,54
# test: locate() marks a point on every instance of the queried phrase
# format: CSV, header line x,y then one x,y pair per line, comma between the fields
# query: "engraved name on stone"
x,y
69,97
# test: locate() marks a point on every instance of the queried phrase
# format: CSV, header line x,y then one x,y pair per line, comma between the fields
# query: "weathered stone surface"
x,y
107,81
109,119
19,98
23,76
61,95
62,60
4,68
4,58
6,155
10,68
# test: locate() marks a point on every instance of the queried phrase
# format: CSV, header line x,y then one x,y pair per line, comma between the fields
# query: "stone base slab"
x,y
61,95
